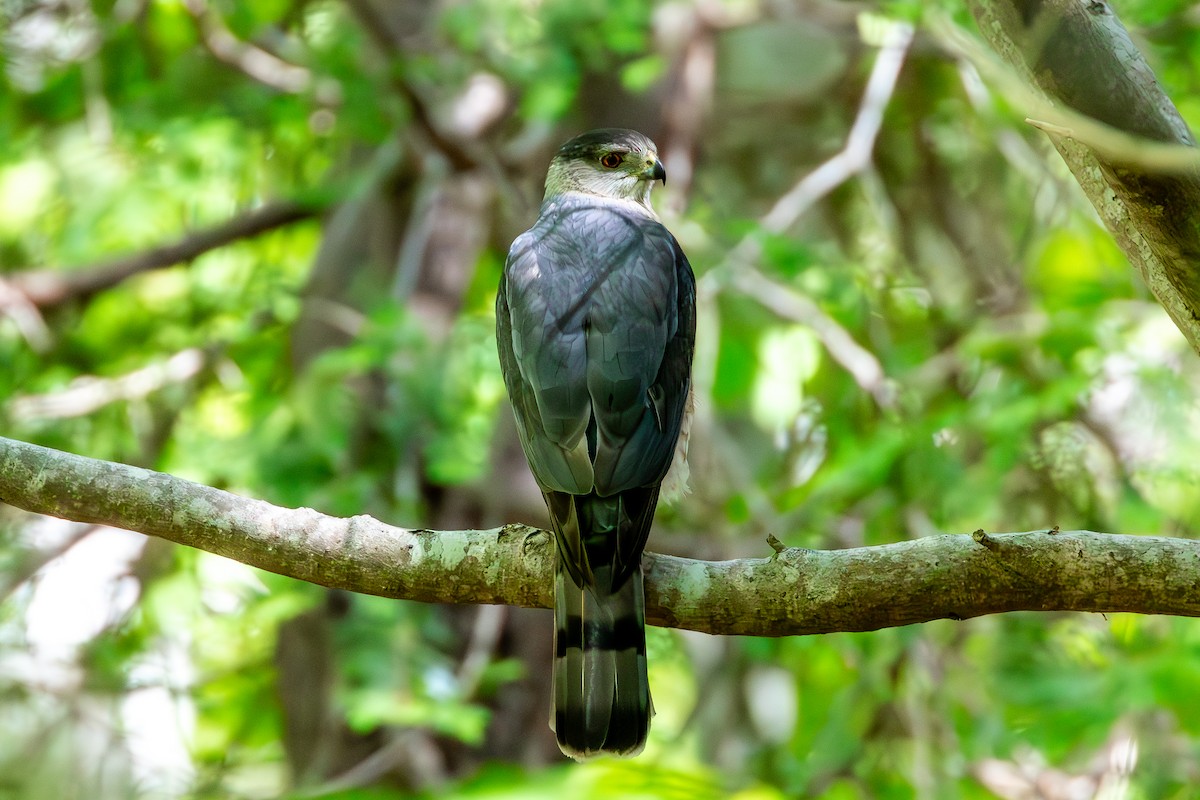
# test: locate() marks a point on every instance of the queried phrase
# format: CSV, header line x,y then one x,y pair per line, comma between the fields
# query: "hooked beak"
x,y
658,172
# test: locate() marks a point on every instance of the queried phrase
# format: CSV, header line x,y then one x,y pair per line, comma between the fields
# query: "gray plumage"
x,y
595,321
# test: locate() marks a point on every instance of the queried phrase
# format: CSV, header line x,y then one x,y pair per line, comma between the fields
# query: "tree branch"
x,y
854,157
266,68
795,592
1079,54
87,393
45,288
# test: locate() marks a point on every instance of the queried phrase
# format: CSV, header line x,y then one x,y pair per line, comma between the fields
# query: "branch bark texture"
x,y
1078,53
794,592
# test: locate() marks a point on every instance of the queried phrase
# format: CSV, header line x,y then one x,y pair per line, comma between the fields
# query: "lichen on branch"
x,y
795,591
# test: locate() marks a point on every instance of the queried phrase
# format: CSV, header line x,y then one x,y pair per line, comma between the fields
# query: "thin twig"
x,y
46,288
87,393
19,574
861,363
485,636
853,158
16,305
407,747
1050,127
266,68
376,26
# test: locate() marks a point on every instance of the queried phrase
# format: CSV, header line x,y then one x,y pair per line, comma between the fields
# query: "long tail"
x,y
601,692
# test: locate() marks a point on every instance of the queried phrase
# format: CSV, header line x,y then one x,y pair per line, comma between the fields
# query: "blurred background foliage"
x,y
969,349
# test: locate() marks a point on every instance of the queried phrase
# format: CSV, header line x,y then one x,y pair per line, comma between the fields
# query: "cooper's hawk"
x,y
596,319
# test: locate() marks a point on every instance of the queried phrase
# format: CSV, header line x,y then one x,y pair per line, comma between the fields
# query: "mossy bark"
x,y
792,592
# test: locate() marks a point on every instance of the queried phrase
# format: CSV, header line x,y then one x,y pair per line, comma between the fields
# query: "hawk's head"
x,y
614,163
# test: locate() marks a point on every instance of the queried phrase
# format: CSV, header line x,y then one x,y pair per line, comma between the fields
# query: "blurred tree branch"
x,y
795,592
88,393
1080,55
46,288
739,268
267,68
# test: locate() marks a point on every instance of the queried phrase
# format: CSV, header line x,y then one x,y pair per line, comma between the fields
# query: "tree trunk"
x,y
1078,54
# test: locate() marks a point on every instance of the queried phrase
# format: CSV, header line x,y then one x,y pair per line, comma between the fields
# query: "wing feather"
x,y
596,320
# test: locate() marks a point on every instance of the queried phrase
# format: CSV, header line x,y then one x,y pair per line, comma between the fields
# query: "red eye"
x,y
610,160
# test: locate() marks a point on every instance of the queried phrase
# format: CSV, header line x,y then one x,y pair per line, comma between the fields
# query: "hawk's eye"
x,y
610,160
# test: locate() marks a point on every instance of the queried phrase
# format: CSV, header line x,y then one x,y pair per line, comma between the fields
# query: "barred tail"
x,y
601,693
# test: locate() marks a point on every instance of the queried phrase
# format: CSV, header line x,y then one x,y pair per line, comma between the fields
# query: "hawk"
x,y
595,322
